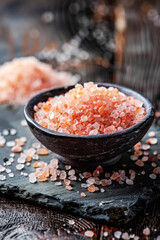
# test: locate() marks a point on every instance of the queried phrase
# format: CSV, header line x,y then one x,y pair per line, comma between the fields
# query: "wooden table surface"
x,y
23,33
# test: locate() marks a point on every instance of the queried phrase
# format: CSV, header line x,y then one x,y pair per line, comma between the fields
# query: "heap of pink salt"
x,y
89,110
22,78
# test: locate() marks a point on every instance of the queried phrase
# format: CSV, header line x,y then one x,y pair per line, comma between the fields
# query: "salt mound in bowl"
x,y
87,151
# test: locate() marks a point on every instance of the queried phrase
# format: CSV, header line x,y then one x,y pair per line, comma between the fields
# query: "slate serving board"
x,y
118,204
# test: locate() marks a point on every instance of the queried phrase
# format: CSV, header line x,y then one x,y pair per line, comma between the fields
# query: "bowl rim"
x,y
148,106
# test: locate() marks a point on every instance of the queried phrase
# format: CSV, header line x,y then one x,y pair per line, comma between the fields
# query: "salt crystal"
x,y
105,234
153,164
36,145
11,175
28,164
67,167
153,141
125,236
153,176
83,194
90,181
139,163
11,160
13,131
71,172
129,181
134,157
2,169
146,231
5,132
12,155
58,183
19,166
10,144
145,158
71,222
25,174
151,134
8,170
68,187
32,178
2,177
21,160
102,190
89,233
24,123
117,234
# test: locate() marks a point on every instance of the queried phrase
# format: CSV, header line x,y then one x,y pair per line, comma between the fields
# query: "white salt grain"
x,y
146,231
32,178
2,177
10,144
11,175
153,176
2,169
13,131
117,234
19,166
5,132
89,233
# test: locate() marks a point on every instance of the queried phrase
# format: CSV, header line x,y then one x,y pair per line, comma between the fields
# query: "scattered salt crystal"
x,y
145,158
71,222
8,170
139,163
89,233
151,134
146,231
143,172
10,144
86,175
28,164
21,160
105,234
11,175
5,132
2,169
134,157
102,190
90,181
24,123
35,157
13,131
84,185
117,234
83,194
2,177
153,176
153,141
12,155
125,236
58,183
145,147
71,172
153,164
68,187
32,178
11,160
23,139
19,166
25,174
129,181
155,152
36,145
73,178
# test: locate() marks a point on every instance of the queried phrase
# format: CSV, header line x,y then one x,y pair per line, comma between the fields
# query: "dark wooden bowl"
x,y
91,150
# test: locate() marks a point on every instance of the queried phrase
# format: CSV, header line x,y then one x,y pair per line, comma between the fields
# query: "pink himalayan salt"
x,y
22,78
89,110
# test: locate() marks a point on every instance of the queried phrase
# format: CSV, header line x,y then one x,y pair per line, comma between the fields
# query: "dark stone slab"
x,y
118,204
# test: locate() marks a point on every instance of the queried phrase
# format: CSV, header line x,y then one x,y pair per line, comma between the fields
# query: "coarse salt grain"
x,y
32,178
89,110
89,233
146,231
